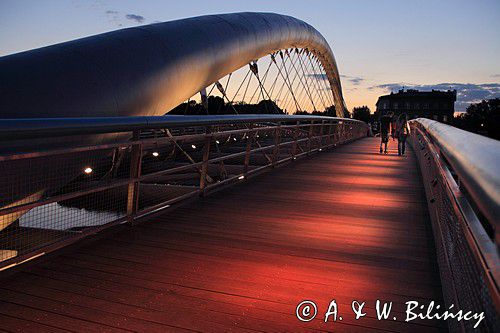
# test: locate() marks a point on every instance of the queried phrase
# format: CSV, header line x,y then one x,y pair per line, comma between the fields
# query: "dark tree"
x,y
362,113
190,108
216,105
329,112
482,118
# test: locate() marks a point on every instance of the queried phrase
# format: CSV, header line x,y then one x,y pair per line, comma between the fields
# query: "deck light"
x,y
88,170
193,146
155,154
217,141
241,177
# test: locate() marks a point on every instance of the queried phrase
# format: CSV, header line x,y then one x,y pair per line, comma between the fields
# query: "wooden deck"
x,y
350,224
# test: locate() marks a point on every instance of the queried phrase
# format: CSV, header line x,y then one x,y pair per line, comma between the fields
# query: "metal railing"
x,y
461,174
75,177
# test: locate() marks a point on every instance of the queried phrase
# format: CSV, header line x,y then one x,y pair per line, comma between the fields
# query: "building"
x,y
435,104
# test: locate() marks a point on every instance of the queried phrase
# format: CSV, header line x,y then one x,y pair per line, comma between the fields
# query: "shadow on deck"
x,y
350,224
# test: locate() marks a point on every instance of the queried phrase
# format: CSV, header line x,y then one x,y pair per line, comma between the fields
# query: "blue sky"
x,y
379,45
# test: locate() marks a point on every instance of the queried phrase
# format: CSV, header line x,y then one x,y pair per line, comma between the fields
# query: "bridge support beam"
x,y
135,173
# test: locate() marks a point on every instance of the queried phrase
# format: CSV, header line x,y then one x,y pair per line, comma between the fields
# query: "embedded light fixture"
x,y
241,177
234,139
320,149
217,141
88,170
193,146
156,154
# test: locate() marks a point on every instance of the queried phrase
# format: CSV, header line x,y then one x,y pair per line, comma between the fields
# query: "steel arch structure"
x,y
96,108
148,70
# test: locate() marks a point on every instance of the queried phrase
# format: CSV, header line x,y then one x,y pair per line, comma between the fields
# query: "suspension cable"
x,y
322,81
258,79
318,77
289,87
223,92
312,79
262,87
308,92
238,90
299,96
326,83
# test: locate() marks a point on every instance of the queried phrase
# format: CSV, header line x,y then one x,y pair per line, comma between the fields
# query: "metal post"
x,y
204,165
250,137
321,134
295,139
341,133
330,125
277,134
309,143
135,173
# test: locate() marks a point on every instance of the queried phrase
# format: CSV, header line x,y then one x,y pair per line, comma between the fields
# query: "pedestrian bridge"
x,y
115,218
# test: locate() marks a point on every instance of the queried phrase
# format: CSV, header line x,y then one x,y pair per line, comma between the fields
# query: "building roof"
x,y
417,93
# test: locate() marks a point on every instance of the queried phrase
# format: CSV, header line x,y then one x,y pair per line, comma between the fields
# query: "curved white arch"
x,y
149,70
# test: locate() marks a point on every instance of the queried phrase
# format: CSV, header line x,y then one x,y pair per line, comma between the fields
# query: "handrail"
x,y
476,161
139,172
44,127
460,176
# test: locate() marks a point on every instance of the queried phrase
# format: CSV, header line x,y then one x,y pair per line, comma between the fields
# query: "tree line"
x,y
482,118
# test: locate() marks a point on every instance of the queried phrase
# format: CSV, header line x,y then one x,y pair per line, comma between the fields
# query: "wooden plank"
x,y
344,225
12,324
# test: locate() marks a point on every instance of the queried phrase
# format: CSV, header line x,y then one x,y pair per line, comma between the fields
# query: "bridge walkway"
x,y
349,224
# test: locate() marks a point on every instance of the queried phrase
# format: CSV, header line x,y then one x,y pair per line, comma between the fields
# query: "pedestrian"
x,y
402,132
393,127
385,128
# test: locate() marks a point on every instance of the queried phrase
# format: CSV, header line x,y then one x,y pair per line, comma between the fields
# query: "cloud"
x,y
355,80
495,75
318,76
134,17
467,93
113,17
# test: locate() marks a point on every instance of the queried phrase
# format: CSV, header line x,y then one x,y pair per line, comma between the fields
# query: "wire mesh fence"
x,y
468,280
50,198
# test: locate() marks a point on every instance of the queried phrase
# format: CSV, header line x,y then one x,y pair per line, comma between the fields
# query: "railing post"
x,y
330,125
342,133
250,137
135,173
309,137
204,165
321,134
277,134
295,139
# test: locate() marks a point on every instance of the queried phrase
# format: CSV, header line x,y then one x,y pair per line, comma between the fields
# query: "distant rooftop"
x,y
417,93
409,92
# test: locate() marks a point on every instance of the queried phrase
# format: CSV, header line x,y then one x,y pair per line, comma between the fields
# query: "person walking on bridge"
x,y
402,131
385,128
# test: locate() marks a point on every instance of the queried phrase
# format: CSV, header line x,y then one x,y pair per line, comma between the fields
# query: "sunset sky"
x,y
379,45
